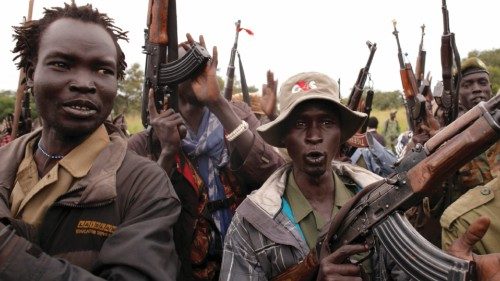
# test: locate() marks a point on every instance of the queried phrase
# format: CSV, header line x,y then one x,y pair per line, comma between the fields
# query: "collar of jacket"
x,y
97,186
268,197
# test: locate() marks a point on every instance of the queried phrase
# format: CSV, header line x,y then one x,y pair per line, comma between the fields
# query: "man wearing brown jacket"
x,y
75,204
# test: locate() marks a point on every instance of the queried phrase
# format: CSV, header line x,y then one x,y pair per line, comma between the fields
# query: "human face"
x,y
474,88
313,138
74,78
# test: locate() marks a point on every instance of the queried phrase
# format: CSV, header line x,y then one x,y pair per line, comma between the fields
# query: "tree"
x,y
383,100
387,100
130,91
7,101
492,60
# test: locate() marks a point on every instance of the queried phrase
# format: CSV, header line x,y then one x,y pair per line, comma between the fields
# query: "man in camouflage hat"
x,y
475,178
276,226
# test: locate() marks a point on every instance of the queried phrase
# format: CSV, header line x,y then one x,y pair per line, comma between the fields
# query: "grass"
x,y
135,125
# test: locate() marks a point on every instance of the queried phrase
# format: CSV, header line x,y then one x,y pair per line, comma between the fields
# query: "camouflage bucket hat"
x,y
304,87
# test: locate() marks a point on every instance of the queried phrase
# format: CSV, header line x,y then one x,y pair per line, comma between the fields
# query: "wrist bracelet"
x,y
237,131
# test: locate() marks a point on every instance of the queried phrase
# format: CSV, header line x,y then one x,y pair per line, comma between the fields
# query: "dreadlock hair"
x,y
27,36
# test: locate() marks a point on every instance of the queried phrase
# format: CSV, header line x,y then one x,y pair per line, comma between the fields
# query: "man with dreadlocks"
x,y
74,203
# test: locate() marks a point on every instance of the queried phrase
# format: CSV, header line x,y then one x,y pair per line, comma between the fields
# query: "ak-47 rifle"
x,y
357,90
414,101
420,65
162,74
359,139
375,215
228,89
448,99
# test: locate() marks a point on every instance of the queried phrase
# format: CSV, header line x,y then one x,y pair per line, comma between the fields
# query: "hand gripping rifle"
x,y
414,101
448,99
354,101
162,74
228,89
375,215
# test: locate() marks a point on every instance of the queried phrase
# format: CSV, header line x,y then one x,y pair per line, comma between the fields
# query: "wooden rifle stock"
x,y
155,48
414,101
459,142
420,175
228,89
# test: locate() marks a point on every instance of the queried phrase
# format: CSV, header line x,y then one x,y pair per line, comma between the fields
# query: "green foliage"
x,y
237,86
383,100
492,60
387,100
130,91
7,104
7,101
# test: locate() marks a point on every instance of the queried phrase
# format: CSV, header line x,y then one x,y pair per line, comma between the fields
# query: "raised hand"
x,y
268,101
205,86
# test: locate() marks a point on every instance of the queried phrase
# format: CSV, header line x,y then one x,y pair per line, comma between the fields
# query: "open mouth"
x,y
80,108
315,157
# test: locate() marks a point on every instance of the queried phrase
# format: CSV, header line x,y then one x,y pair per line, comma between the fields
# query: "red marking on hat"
x,y
304,85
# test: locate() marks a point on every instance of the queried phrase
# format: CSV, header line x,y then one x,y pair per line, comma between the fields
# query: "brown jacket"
x,y
115,223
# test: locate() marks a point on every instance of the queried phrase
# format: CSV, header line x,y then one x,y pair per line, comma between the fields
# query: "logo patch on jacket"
x,y
94,228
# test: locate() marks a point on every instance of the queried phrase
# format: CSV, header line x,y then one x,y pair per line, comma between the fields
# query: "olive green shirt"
x,y
477,202
310,221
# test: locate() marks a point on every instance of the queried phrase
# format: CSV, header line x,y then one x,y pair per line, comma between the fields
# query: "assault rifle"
x,y
357,90
375,215
448,100
228,89
420,65
162,74
359,139
414,101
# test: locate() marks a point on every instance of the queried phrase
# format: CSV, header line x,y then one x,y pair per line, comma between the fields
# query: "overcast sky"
x,y
294,36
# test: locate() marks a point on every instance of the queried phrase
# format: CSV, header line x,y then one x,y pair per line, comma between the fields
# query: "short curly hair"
x,y
27,36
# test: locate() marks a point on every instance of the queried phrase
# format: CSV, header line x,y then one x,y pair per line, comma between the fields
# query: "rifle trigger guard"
x,y
369,255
